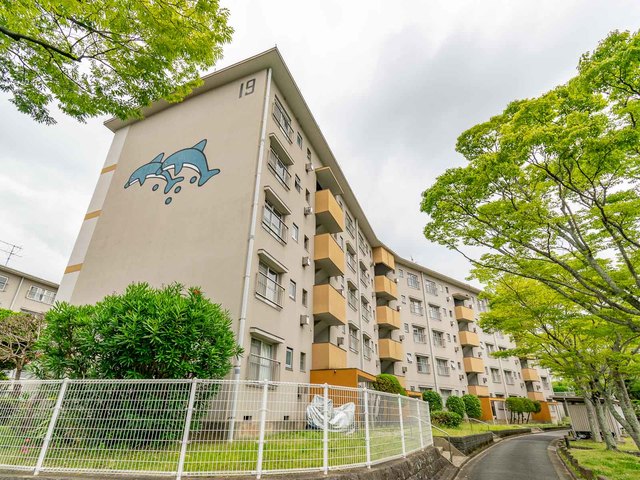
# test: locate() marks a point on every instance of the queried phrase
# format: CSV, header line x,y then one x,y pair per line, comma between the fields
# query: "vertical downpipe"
x,y
247,269
429,334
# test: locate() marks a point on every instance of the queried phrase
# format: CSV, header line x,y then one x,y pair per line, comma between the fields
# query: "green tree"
x,y
455,404
434,399
143,333
388,383
19,333
110,57
550,191
472,406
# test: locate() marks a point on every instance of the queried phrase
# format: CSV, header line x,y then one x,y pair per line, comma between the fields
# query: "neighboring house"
x,y
22,292
236,190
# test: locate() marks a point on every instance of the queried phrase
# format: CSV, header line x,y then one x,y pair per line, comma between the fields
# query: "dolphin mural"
x,y
153,169
193,158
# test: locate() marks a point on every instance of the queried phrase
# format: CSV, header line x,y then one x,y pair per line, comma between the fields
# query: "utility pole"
x,y
10,249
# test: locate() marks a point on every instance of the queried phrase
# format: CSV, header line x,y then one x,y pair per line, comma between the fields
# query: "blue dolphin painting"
x,y
153,169
192,158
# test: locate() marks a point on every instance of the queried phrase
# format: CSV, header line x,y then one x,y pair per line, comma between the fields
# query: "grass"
x,y
613,465
474,428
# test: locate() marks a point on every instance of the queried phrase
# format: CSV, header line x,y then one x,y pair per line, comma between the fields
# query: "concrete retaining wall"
x,y
513,431
470,443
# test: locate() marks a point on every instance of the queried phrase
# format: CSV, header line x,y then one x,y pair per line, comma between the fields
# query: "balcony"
x,y
478,390
388,317
469,339
386,288
328,212
473,365
383,257
539,396
530,375
390,350
269,289
464,314
327,356
279,169
263,368
329,305
328,255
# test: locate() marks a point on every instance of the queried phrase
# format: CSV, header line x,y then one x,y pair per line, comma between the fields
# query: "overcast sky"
x,y
391,84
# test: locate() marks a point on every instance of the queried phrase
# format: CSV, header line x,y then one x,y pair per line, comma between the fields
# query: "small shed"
x,y
575,408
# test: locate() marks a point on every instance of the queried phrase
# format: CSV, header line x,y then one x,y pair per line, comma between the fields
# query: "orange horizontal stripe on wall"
x,y
73,268
91,215
110,168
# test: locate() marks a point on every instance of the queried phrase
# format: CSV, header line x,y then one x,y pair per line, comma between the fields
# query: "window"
x,y
366,310
307,196
282,119
350,225
409,358
354,342
509,377
438,338
442,367
412,280
364,275
292,289
268,284
303,362
361,245
288,359
419,335
351,259
262,365
305,243
415,306
3,282
297,183
446,289
352,298
279,169
434,312
431,287
490,348
295,232
308,154
449,337
400,273
445,394
423,364
299,140
273,221
545,383
366,348
495,375
305,297
41,295
406,328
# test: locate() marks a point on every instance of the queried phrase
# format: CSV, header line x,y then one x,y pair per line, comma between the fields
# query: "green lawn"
x,y
474,428
613,465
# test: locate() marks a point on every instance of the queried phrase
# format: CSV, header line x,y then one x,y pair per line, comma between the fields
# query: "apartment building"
x,y
236,190
22,292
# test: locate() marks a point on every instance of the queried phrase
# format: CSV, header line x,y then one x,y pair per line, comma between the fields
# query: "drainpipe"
x,y
247,270
426,316
15,296
359,305
504,381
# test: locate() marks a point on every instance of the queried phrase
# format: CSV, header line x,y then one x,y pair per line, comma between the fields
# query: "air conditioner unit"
x,y
522,385
398,308
309,167
308,210
484,380
451,323
401,338
457,349
306,261
340,341
475,330
304,319
340,291
375,328
377,363
460,377
448,299
395,280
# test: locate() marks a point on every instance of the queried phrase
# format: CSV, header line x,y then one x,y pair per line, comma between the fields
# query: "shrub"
x,y
537,406
446,419
434,399
472,406
386,382
455,404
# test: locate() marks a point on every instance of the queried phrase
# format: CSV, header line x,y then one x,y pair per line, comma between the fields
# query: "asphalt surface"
x,y
528,457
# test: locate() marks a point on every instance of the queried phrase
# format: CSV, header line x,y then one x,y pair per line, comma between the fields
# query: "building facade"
x,y
236,190
22,292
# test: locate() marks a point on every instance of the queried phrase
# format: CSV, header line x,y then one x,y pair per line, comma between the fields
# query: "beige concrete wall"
x,y
14,295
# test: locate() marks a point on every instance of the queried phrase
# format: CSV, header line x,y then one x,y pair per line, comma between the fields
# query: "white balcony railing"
x,y
279,169
263,368
269,289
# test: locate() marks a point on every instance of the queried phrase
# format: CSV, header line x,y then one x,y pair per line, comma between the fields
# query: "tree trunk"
x,y
627,409
596,435
622,421
18,373
604,425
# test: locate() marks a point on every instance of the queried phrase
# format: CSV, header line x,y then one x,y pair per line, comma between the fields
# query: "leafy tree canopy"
x,y
386,382
110,57
171,332
19,333
434,399
472,406
455,404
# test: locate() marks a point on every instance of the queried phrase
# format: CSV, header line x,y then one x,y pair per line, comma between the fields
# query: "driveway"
x,y
527,457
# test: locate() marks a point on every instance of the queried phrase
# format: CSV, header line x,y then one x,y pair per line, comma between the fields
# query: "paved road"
x,y
521,458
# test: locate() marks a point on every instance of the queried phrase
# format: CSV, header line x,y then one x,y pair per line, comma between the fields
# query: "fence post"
x,y
52,425
325,431
366,426
404,447
263,421
419,424
187,428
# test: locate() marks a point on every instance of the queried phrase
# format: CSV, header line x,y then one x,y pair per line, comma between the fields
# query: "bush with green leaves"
x,y
519,406
455,404
472,406
443,418
434,399
388,383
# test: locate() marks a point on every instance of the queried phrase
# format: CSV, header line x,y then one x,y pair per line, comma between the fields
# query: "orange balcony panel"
x,y
469,339
328,255
328,212
384,257
464,314
530,375
325,356
402,380
388,317
390,350
329,305
473,365
536,396
386,288
478,390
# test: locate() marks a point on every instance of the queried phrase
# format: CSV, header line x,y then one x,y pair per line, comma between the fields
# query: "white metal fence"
x,y
192,427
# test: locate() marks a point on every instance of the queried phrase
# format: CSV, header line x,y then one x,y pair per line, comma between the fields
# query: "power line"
x,y
11,250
